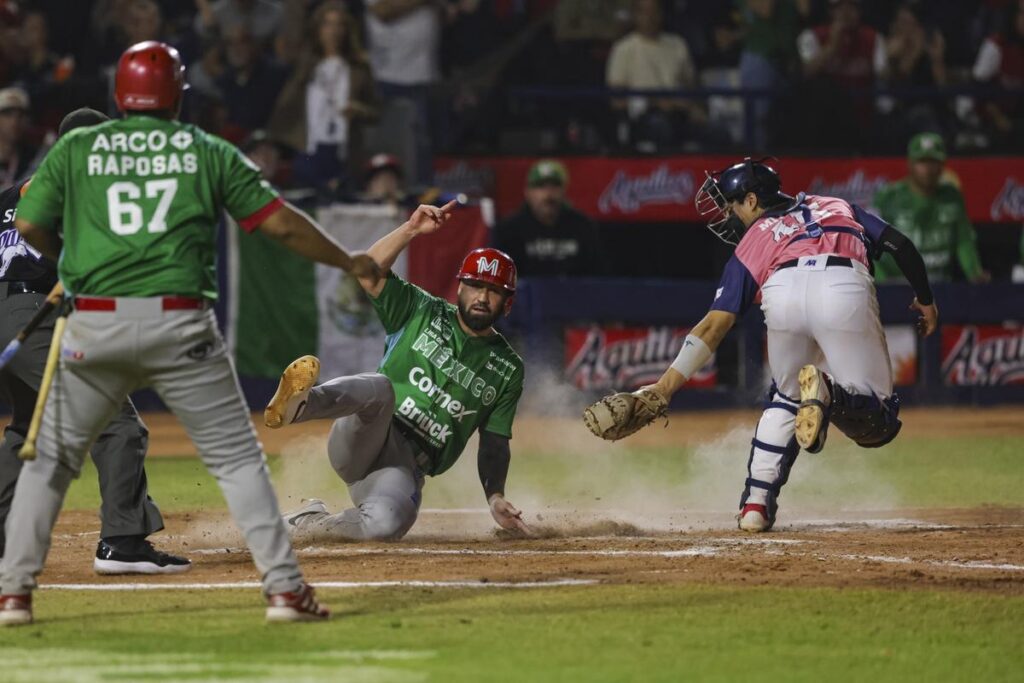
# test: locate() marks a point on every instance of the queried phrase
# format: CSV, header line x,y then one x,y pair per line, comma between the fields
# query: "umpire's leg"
x,y
19,384
119,454
84,396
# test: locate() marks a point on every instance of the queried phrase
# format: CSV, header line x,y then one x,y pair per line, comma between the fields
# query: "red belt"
x,y
168,303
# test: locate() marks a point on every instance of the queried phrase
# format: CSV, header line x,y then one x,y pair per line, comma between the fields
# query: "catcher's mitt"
x,y
619,415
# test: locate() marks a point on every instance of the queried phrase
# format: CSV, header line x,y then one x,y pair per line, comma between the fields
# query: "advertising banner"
x,y
626,358
663,189
982,355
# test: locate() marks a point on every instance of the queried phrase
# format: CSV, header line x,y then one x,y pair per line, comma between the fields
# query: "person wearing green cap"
x,y
547,237
931,212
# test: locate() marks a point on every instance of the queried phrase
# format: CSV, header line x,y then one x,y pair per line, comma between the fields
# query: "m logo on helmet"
x,y
485,265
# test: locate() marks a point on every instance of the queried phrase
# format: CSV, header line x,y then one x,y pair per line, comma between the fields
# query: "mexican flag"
x,y
281,306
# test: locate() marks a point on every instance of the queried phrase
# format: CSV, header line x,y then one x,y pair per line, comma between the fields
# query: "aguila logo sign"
x,y
623,359
979,355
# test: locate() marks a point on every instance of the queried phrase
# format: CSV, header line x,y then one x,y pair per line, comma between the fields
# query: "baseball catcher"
x,y
807,260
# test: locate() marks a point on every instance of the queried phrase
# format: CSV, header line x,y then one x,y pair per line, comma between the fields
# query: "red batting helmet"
x,y
149,76
492,266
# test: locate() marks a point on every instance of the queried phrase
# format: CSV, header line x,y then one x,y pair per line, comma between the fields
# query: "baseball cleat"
x,y
15,610
293,390
136,556
812,416
298,606
754,518
296,520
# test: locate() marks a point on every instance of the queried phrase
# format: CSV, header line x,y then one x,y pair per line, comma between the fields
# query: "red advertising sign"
x,y
662,189
625,358
982,355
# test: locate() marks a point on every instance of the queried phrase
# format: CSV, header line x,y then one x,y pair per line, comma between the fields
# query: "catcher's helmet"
x,y
732,185
489,265
150,76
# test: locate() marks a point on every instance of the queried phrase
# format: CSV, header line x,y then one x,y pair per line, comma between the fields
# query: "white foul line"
x,y
556,583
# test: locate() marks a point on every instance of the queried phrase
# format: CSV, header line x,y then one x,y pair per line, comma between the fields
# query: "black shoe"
x,y
136,556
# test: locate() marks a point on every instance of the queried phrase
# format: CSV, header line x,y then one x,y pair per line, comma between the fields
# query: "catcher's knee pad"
x,y
869,421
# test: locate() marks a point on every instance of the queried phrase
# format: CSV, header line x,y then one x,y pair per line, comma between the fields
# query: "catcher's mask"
x,y
732,184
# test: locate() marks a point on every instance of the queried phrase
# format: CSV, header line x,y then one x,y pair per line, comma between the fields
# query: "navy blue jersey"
x,y
19,262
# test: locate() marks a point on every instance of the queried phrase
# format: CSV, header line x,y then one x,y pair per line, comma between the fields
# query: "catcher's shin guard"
x,y
773,450
871,422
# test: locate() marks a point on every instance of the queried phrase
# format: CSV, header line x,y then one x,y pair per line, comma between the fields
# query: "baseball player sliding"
x,y
445,374
140,199
807,259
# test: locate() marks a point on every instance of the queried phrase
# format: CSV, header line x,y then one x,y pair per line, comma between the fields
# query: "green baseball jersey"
x,y
447,383
937,225
139,200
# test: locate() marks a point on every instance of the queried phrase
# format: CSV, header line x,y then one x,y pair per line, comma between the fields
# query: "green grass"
x,y
602,633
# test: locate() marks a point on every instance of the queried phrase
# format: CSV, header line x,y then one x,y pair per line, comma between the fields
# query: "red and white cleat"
x,y
298,606
754,518
15,610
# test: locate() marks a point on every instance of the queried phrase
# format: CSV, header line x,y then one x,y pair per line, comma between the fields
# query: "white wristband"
x,y
692,357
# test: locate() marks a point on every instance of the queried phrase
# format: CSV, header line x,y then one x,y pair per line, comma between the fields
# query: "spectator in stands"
x,y
841,59
769,57
651,59
405,52
384,181
260,18
250,84
915,57
16,155
267,155
42,71
143,20
845,50
930,211
546,236
330,94
1001,61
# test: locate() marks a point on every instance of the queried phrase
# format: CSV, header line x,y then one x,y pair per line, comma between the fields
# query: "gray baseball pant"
x,y
375,460
119,453
182,356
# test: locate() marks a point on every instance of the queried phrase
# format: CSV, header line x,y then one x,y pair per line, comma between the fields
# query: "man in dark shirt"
x,y
128,515
546,236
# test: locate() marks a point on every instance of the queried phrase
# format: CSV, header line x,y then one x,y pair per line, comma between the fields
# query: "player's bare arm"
x,y
709,331
493,458
385,251
299,232
47,242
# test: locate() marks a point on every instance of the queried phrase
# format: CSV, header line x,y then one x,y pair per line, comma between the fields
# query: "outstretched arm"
x,y
493,459
423,221
697,349
299,232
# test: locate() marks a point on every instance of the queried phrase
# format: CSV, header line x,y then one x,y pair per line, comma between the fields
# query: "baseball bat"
x,y
52,299
28,449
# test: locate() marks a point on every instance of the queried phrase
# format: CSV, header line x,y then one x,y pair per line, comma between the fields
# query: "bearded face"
x,y
480,304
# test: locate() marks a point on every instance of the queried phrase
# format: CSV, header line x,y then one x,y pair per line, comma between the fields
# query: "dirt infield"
x,y
978,549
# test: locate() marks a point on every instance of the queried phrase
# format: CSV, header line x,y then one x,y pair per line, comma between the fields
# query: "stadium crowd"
x,y
317,90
